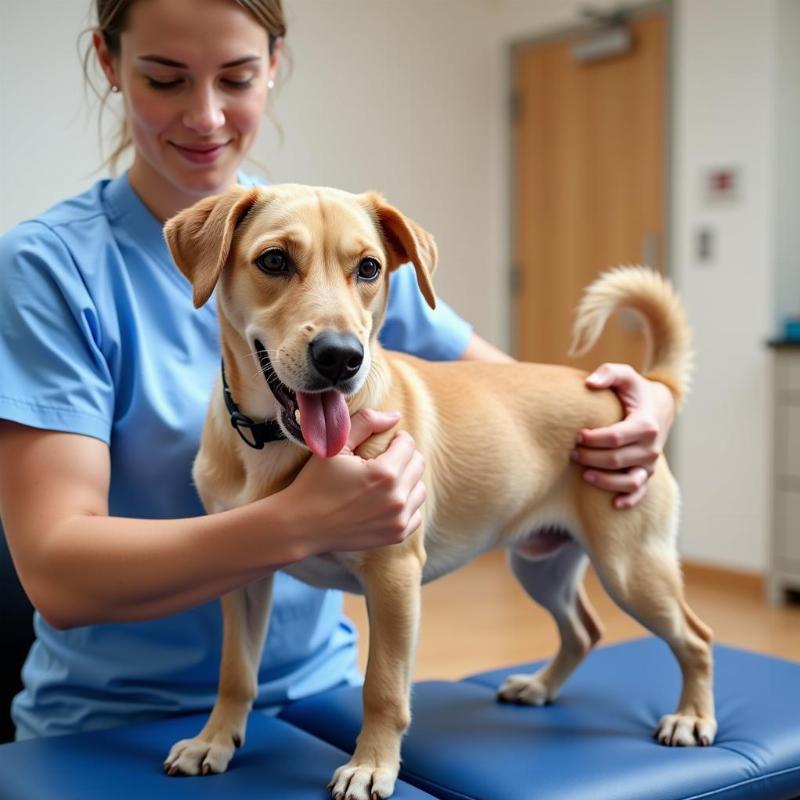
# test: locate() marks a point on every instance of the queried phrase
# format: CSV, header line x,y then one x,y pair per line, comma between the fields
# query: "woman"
x,y
107,369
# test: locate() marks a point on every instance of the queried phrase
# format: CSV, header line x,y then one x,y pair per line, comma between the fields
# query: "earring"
x,y
115,88
270,84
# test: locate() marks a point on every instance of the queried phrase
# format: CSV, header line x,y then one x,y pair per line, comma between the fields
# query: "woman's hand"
x,y
349,503
622,457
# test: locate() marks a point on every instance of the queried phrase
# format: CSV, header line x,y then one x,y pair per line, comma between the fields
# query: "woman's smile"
x,y
206,153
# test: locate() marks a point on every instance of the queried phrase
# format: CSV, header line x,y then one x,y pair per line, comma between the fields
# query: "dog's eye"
x,y
273,262
368,269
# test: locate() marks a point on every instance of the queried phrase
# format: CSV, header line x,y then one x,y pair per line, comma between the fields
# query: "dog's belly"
x,y
325,572
328,572
542,542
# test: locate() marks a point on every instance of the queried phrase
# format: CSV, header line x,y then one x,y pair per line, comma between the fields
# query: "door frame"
x,y
513,48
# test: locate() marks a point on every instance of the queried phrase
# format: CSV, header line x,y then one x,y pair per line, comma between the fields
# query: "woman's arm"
x,y
478,349
81,566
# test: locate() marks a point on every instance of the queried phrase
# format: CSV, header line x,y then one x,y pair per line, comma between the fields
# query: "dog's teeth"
x,y
297,415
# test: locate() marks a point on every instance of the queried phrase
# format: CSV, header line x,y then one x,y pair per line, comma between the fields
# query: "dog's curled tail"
x,y
666,328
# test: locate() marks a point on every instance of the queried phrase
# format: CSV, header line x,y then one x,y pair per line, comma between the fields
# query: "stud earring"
x,y
270,84
115,88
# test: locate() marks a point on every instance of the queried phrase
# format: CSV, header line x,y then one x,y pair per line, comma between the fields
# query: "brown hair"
x,y
112,20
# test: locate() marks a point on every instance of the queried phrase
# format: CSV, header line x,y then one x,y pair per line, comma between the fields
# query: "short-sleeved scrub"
x,y
98,336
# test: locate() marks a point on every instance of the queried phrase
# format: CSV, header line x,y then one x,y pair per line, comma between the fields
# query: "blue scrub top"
x,y
98,336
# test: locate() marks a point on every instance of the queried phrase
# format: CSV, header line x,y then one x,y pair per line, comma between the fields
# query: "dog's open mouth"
x,y
319,420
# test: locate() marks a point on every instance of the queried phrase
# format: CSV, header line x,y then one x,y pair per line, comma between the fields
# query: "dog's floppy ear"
x,y
199,237
407,242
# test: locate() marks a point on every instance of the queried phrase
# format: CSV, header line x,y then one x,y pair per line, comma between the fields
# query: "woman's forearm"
x,y
81,566
96,569
478,349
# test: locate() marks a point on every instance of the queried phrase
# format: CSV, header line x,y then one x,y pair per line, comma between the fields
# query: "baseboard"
x,y
725,578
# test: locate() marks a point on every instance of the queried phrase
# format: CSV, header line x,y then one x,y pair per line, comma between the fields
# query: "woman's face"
x,y
193,76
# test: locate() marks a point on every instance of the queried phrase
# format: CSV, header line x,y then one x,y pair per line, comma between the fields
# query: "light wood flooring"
x,y
479,618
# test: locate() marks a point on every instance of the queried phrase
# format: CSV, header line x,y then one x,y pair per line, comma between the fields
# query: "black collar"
x,y
254,434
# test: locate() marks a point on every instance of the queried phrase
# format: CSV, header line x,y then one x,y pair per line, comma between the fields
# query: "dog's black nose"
x,y
336,356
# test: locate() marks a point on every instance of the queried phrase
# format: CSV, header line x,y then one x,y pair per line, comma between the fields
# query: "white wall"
x,y
724,103
48,144
410,98
787,162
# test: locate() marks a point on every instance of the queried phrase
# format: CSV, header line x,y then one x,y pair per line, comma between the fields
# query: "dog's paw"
x,y
355,781
686,730
528,690
201,756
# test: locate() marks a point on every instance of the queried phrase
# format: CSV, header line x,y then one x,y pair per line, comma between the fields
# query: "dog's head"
x,y
302,277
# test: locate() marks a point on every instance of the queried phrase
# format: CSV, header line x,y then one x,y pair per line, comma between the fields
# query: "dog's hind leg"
x,y
641,573
245,614
556,583
392,590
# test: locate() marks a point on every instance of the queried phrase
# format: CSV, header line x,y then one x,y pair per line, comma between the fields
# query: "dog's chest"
x,y
340,570
325,572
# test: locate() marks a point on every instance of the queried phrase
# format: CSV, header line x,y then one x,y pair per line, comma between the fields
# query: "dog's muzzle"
x,y
318,417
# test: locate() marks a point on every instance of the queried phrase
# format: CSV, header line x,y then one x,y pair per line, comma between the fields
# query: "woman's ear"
x,y
199,238
406,241
275,57
105,59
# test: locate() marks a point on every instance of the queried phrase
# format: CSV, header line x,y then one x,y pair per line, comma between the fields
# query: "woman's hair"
x,y
111,20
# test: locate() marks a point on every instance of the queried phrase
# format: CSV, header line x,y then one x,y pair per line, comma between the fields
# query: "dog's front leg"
x,y
392,589
245,614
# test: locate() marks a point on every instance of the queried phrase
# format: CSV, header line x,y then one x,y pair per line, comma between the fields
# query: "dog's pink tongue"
x,y
324,421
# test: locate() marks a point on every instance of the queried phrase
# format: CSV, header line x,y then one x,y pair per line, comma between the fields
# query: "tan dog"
x,y
302,283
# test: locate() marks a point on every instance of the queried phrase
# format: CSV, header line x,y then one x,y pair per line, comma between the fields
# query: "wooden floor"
x,y
479,618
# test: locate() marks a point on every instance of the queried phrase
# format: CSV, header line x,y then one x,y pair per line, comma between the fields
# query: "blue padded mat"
x,y
276,761
595,742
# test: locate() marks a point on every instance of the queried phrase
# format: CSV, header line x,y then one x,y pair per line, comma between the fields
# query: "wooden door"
x,y
589,161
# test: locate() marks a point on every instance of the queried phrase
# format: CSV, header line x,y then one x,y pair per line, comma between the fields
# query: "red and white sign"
x,y
722,185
